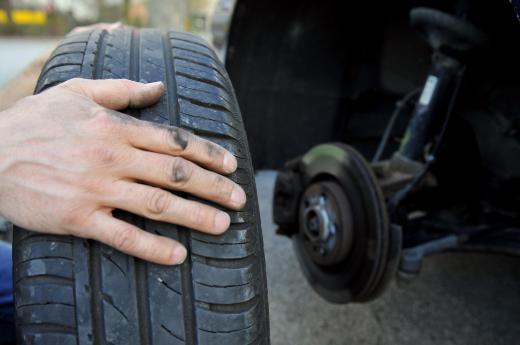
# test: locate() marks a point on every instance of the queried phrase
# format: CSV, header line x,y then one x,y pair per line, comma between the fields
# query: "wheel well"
x,y
298,67
308,72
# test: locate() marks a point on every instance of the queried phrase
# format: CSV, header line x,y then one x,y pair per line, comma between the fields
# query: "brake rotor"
x,y
345,246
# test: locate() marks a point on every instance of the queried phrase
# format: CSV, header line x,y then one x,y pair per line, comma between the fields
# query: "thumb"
x,y
117,93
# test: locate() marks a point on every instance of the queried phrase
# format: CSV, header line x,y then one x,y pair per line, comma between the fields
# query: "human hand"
x,y
68,159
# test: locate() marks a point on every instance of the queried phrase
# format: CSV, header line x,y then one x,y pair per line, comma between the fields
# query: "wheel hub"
x,y
325,225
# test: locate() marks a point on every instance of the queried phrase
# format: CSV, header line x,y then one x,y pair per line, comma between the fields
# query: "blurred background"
x,y
29,28
56,17
458,299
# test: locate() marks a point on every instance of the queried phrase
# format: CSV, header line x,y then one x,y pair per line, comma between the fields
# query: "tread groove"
x,y
231,331
42,304
207,119
196,52
109,258
108,299
98,324
46,328
141,267
204,104
45,257
171,333
202,80
235,308
45,278
223,286
187,41
169,287
200,64
188,306
99,60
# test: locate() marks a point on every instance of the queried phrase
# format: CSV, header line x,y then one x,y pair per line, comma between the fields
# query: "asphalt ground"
x,y
458,298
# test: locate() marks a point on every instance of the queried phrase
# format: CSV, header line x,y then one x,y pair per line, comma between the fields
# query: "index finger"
x,y
116,94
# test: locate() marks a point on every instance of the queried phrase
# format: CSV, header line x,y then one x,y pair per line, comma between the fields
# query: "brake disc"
x,y
345,246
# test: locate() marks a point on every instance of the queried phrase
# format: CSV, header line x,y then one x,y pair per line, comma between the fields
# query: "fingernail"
x,y
230,162
222,221
238,197
178,255
154,85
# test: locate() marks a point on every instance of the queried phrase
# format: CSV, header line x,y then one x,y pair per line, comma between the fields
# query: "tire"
x,y
74,291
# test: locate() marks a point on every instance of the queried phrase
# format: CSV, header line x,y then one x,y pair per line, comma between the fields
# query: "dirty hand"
x,y
68,159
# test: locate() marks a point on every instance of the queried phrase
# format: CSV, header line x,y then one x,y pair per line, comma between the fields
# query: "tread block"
x,y
164,335
231,236
117,54
240,337
204,99
167,312
227,295
187,36
193,84
36,338
47,266
45,249
240,217
69,48
56,314
198,59
76,38
119,329
64,59
196,110
51,79
222,251
226,322
45,293
222,277
241,176
203,125
201,73
193,47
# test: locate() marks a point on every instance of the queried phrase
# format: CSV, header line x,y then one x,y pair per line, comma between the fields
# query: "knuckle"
x,y
102,155
214,151
102,119
180,171
157,203
177,138
72,81
125,239
71,219
199,217
90,185
223,188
